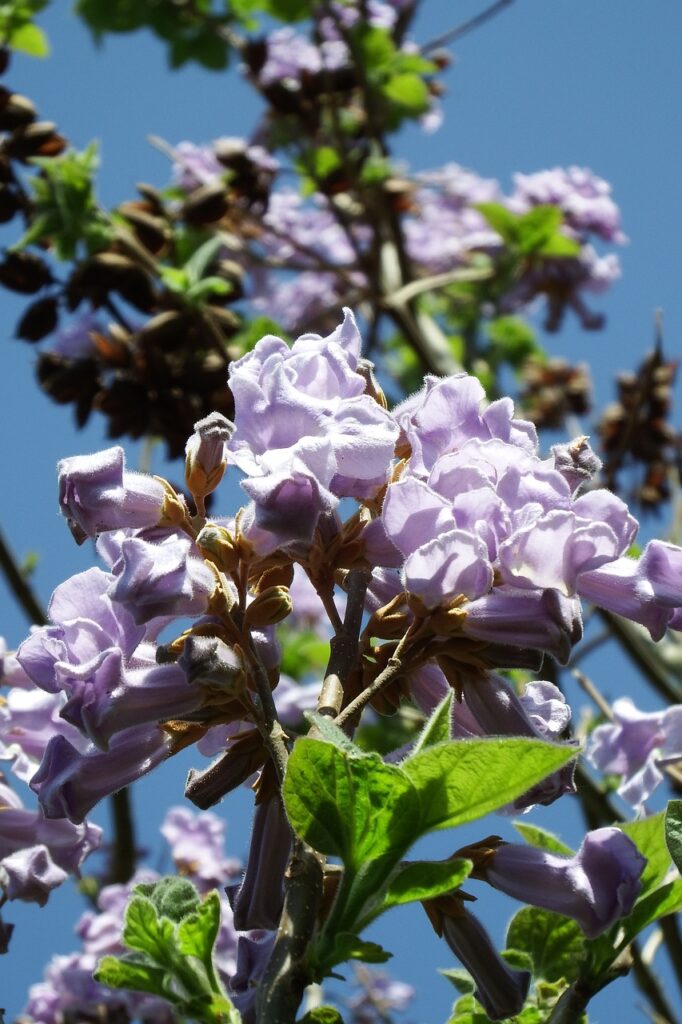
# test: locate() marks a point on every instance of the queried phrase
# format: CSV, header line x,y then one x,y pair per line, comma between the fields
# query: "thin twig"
x,y
650,986
123,854
466,26
19,586
593,693
433,283
393,669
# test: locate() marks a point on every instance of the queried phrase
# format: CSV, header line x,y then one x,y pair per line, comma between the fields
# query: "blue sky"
x,y
549,82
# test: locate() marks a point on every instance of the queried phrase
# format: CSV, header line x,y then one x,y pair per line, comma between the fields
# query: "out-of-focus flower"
x,y
37,855
636,745
583,197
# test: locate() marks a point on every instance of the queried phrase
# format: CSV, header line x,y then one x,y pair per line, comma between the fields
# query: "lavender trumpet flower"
x,y
596,887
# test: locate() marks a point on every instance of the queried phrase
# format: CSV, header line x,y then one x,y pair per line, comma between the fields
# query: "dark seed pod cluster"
x,y
122,337
635,430
553,390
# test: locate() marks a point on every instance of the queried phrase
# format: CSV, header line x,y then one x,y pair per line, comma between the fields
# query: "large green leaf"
x,y
465,779
667,899
556,944
356,808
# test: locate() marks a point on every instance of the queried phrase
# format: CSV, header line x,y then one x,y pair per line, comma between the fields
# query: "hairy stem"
x,y
287,973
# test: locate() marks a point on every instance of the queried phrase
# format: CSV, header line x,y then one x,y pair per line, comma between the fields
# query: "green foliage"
x,y
17,30
649,836
660,894
555,944
170,933
536,233
351,805
322,1015
194,31
189,280
424,880
463,781
66,211
512,341
354,808
295,643
396,77
542,839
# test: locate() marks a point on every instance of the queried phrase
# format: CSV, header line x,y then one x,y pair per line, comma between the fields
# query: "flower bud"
x,y
219,546
206,454
209,663
271,606
277,576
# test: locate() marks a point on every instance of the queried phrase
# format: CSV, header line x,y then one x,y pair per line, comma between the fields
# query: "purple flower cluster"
x,y
477,546
306,433
583,197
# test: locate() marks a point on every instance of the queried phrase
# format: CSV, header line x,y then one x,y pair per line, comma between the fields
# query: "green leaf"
x,y
377,47
356,808
468,1010
322,1015
146,932
196,266
536,227
172,897
30,39
289,10
351,947
424,880
246,339
333,734
460,978
667,899
465,779
130,974
542,839
512,339
673,832
197,933
408,91
203,289
323,161
559,246
555,943
501,220
648,835
438,728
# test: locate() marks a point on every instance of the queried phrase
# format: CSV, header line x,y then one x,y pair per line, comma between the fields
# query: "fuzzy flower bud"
x,y
271,606
206,454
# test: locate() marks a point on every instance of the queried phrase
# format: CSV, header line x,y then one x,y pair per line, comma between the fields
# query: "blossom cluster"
x,y
477,551
443,229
